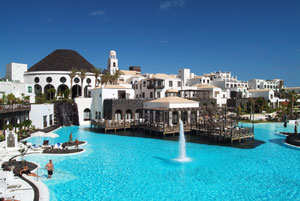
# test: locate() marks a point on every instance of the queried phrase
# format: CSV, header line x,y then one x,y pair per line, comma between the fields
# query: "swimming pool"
x,y
132,168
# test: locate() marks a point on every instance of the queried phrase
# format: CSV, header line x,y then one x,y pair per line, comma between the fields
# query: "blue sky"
x,y
250,38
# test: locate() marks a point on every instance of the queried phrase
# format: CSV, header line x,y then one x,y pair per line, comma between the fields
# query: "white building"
x,y
225,80
156,85
53,71
19,90
184,74
15,72
42,115
112,63
198,80
291,89
103,92
265,84
267,94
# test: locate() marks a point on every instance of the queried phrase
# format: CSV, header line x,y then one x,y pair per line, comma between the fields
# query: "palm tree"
x,y
97,72
72,74
292,99
82,76
105,78
116,76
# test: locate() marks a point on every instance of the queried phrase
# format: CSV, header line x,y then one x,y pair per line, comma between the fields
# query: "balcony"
x,y
154,86
7,108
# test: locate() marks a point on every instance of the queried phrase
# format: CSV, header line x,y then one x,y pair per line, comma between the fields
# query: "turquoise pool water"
x,y
131,168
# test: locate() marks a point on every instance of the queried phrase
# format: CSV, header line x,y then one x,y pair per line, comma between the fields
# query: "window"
x,y
63,79
45,121
203,81
144,84
271,96
88,80
158,94
114,64
50,119
29,89
76,80
207,81
100,95
143,94
96,115
170,84
49,79
179,84
140,86
36,80
137,96
151,94
87,114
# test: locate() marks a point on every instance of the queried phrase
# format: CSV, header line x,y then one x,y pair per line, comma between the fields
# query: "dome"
x,y
112,52
62,60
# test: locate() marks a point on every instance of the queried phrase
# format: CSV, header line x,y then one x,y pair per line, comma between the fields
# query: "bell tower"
x,y
112,64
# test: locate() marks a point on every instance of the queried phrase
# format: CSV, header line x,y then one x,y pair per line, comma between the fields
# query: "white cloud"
x,y
171,4
97,12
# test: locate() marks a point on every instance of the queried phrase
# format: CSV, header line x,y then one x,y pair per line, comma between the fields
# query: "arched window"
x,y
87,114
114,64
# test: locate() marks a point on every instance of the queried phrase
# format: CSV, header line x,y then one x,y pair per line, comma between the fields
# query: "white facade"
x,y
57,79
198,80
112,63
18,89
15,72
184,74
84,106
42,115
107,92
267,94
291,89
264,84
155,86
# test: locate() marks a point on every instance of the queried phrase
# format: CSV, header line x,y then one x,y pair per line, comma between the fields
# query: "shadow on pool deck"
x,y
189,138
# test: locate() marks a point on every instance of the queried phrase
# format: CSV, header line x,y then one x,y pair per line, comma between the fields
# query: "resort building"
x,y
156,85
20,90
206,93
51,75
106,92
13,114
225,80
42,115
293,89
274,84
267,94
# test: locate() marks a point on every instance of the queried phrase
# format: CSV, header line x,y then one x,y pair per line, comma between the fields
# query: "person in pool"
x,y
50,169
25,170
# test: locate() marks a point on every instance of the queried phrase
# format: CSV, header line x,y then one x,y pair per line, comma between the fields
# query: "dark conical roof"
x,y
62,60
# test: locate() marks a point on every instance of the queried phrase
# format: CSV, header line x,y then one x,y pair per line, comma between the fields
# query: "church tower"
x,y
112,64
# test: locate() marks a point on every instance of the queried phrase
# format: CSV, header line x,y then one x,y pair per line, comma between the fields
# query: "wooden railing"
x,y
5,108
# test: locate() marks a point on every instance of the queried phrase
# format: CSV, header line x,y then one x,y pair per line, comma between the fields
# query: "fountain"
x,y
182,151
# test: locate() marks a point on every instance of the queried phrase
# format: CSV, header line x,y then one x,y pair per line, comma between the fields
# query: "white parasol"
x,y
43,134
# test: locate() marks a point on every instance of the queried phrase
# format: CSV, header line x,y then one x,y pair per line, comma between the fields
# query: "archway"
x,y
49,91
76,91
118,115
87,93
128,115
37,89
62,91
87,114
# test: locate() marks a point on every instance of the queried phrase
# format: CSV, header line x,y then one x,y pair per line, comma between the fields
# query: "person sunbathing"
x,y
26,171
